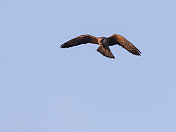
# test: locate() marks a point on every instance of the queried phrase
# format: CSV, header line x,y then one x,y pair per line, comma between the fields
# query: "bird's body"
x,y
103,43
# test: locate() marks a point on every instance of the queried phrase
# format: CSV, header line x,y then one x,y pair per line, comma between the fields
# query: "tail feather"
x,y
105,52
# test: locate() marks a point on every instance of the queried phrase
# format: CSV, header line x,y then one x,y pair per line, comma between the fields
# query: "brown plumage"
x,y
104,44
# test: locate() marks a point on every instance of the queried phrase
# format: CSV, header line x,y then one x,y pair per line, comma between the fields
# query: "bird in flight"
x,y
103,43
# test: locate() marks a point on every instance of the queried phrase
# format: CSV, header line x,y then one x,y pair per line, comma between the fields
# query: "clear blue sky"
x,y
47,89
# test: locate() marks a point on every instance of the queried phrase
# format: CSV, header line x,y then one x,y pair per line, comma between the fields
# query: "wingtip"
x,y
63,46
138,54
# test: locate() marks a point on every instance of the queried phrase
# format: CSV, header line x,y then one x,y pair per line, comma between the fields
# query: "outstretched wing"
x,y
83,39
120,40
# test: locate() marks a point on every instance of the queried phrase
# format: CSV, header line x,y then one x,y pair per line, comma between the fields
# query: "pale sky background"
x,y
47,89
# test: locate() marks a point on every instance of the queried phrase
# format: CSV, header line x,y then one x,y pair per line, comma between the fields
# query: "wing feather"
x,y
83,39
120,40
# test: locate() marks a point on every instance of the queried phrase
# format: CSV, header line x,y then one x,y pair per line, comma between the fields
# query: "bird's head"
x,y
101,39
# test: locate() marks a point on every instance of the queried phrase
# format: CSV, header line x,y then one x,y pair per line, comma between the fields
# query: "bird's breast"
x,y
104,42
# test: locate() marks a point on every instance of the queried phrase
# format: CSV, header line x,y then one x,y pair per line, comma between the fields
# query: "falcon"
x,y
104,44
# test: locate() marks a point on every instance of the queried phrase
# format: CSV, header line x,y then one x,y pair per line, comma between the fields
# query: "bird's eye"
x,y
102,39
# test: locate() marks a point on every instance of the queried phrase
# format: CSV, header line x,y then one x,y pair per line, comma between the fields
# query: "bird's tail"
x,y
105,52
